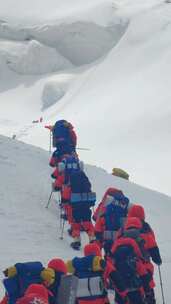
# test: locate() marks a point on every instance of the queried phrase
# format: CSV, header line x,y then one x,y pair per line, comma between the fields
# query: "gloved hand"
x,y
53,176
55,188
5,272
63,216
159,261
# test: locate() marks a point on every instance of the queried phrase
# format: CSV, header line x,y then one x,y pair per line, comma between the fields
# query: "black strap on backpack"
x,y
125,262
135,234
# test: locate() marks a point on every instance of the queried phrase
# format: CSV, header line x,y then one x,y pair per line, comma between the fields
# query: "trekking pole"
x,y
50,142
60,217
62,230
85,149
49,199
161,285
60,206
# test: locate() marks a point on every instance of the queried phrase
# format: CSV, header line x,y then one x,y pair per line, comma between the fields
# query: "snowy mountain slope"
x,y
133,85
105,66
131,91
21,57
36,10
124,96
29,231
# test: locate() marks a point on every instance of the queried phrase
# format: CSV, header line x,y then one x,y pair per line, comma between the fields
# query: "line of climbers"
x,y
129,242
71,181
121,250
126,268
120,229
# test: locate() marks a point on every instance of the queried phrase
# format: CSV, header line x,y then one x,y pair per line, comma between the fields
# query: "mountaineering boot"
x,y
64,216
69,231
76,245
82,229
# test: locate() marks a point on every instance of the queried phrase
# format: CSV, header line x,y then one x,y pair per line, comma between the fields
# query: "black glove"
x,y
155,254
56,188
159,262
53,176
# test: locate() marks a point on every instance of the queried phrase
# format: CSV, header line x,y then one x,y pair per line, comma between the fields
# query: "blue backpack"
x,y
78,181
81,189
71,165
85,284
115,212
61,129
27,274
62,138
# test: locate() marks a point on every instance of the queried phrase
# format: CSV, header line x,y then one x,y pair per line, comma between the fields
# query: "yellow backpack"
x,y
120,173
